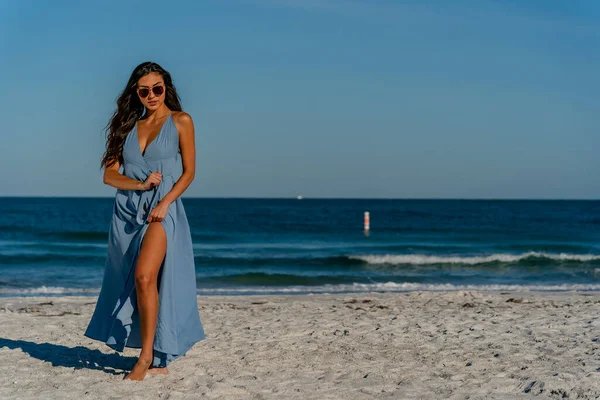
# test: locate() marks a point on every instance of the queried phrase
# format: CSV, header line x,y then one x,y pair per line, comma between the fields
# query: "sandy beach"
x,y
422,345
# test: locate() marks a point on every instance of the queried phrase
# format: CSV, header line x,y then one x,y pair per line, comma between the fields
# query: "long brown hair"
x,y
130,109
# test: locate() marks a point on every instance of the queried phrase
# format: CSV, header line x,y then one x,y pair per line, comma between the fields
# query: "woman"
x,y
148,295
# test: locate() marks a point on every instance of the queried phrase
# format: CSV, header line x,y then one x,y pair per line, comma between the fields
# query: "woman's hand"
x,y
152,180
159,212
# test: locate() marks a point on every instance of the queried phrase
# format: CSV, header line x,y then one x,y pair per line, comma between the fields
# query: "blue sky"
x,y
339,98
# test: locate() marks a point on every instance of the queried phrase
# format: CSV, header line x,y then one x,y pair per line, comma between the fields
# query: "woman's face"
x,y
151,90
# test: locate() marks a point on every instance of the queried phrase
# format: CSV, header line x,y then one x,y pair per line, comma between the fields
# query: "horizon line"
x,y
315,198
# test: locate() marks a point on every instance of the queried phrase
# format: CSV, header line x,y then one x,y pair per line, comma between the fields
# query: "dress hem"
x,y
120,350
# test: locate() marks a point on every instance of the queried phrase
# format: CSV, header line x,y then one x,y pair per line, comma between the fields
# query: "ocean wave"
x,y
208,237
419,259
52,258
84,255
274,279
83,236
274,260
42,290
388,287
393,287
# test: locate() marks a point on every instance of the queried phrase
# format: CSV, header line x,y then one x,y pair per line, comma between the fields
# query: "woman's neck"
x,y
157,114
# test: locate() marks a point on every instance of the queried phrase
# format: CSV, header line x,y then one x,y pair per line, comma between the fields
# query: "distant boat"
x,y
299,197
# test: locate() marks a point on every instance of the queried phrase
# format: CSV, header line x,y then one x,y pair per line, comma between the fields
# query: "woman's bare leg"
x,y
152,254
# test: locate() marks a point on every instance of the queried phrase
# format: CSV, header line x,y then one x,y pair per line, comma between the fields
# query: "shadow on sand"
x,y
73,357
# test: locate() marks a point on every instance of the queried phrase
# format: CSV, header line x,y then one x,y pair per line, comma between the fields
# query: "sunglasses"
x,y
144,91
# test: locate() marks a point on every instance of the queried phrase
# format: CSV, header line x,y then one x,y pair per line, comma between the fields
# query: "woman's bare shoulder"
x,y
181,117
183,123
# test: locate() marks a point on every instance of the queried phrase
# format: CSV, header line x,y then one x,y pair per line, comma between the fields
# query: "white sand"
x,y
427,345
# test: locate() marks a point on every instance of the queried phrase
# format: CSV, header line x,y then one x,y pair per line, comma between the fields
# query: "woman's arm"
x,y
117,180
187,145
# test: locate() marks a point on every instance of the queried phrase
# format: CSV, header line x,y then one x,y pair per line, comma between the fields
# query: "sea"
x,y
58,246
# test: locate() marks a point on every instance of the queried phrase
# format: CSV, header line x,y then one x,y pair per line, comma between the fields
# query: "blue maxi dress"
x,y
116,319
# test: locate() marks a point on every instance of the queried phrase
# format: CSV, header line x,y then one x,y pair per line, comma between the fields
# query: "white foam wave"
x,y
395,287
387,287
419,259
48,290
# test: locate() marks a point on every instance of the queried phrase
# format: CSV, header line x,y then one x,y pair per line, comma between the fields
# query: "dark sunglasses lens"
x,y
158,90
143,92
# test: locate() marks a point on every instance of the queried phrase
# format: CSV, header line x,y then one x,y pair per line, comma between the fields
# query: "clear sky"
x,y
322,98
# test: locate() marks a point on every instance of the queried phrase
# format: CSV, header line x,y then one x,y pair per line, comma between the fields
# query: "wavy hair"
x,y
130,109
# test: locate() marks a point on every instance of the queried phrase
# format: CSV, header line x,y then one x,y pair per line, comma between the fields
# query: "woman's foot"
x,y
138,372
158,370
